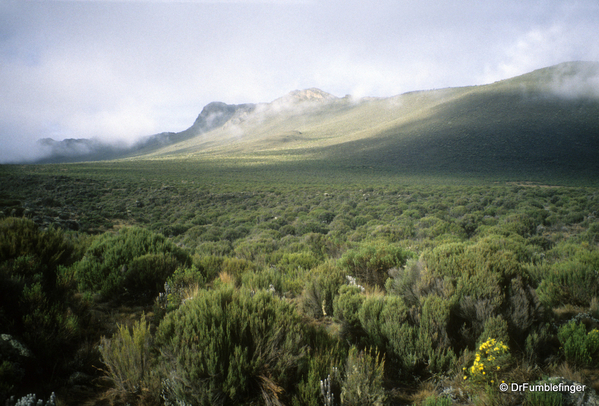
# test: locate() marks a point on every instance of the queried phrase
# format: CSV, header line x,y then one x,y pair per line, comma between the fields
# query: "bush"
x,y
433,340
321,289
37,306
232,346
146,274
370,263
543,399
346,308
362,382
437,401
572,282
491,357
110,260
580,347
128,362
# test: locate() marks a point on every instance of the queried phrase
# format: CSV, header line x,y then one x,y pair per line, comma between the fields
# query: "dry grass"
x,y
226,278
426,390
191,291
566,370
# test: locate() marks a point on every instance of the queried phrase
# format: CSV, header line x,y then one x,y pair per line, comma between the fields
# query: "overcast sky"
x,y
118,70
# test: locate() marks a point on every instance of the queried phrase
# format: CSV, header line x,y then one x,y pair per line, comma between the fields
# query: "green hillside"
x,y
537,126
397,251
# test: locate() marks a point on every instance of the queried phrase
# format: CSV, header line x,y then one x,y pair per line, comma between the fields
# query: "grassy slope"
x,y
524,128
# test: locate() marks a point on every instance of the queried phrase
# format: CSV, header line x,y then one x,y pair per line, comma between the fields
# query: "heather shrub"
x,y
579,347
437,401
108,261
370,320
128,360
236,267
37,306
543,399
404,281
346,307
573,282
370,263
433,339
232,346
362,382
321,289
400,335
320,381
146,274
485,280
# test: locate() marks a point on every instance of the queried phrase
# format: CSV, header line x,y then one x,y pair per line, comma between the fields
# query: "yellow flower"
x,y
465,377
498,367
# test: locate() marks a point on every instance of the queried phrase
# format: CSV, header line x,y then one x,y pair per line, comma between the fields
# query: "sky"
x,y
118,70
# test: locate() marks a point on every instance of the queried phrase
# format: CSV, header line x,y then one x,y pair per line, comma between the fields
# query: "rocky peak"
x,y
311,95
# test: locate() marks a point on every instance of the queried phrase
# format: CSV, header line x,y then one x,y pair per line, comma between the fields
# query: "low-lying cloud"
x,y
119,71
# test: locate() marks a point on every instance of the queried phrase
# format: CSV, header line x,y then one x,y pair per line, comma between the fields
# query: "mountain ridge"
x,y
543,121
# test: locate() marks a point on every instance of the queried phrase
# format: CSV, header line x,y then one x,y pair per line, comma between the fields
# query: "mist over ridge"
x,y
544,120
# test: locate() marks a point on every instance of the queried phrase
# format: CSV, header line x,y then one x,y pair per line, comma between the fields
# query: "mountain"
x,y
544,122
213,115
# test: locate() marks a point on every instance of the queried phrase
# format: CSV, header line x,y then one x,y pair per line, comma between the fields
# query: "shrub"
x,y
128,361
346,308
362,382
437,401
321,289
580,347
108,261
400,336
146,274
232,346
36,299
543,399
491,357
370,263
433,340
572,282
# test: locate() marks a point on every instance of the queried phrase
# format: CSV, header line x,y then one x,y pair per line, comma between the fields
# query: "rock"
x,y
11,346
574,394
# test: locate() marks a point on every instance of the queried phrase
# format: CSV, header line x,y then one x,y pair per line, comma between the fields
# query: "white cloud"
x,y
123,69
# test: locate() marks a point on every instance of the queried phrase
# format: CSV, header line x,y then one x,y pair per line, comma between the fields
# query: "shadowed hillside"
x,y
541,124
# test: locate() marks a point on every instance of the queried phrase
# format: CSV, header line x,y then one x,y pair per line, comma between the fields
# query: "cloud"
x,y
120,70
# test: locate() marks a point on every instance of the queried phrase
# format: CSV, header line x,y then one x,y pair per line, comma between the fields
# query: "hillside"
x,y
541,124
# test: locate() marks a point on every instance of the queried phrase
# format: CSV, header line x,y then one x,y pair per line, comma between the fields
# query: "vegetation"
x,y
309,275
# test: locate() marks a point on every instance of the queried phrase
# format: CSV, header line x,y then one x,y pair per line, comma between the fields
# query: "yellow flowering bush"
x,y
490,358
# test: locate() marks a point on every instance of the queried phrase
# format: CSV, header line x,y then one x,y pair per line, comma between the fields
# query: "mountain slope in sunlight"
x,y
543,122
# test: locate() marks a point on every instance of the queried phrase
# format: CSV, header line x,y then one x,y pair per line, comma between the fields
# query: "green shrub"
x,y
37,305
321,364
146,274
108,261
543,399
579,347
433,339
232,346
128,361
362,382
572,282
370,263
491,358
321,289
400,336
346,308
437,401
